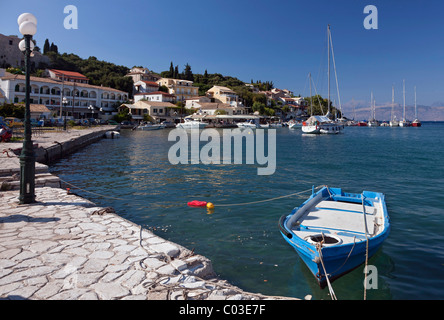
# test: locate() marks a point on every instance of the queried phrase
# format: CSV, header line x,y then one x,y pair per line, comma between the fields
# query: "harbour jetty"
x,y
65,247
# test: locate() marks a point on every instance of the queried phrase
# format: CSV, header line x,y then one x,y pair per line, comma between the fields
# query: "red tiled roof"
x,y
9,76
151,83
69,74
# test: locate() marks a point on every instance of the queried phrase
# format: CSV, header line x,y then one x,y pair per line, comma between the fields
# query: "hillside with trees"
x,y
97,71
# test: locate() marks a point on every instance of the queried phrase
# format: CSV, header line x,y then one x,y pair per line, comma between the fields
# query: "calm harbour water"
x,y
243,242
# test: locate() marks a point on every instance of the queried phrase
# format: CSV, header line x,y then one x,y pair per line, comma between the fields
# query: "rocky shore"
x,y
64,247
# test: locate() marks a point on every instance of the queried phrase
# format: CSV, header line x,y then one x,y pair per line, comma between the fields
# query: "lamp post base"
x,y
27,179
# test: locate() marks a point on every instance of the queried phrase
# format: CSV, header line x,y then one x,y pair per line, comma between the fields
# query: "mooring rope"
x,y
366,247
330,288
217,205
267,200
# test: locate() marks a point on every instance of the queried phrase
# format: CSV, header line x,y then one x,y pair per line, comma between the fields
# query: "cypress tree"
x,y
46,47
176,73
188,74
171,73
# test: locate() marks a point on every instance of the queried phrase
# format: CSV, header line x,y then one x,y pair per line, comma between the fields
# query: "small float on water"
x,y
112,134
334,231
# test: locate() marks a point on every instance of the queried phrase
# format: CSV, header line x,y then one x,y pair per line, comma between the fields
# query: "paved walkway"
x,y
65,247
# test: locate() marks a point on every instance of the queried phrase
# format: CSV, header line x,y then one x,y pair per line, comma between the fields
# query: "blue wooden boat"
x,y
332,231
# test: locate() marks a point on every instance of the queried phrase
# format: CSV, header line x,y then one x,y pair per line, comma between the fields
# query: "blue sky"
x,y
279,41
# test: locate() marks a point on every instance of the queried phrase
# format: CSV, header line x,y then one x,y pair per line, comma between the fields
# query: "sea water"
x,y
134,176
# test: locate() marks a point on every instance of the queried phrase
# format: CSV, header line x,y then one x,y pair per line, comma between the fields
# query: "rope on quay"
x,y
94,193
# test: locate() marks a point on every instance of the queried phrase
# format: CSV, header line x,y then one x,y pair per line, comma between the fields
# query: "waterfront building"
x,y
224,95
83,100
194,102
39,111
182,89
159,111
216,108
63,75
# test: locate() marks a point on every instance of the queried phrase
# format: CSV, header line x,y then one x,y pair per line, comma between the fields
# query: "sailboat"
x,y
404,122
323,124
393,121
372,121
416,122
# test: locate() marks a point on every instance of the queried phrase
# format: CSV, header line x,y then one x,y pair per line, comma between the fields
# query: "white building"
x,y
194,102
224,95
182,89
50,92
143,86
158,96
159,111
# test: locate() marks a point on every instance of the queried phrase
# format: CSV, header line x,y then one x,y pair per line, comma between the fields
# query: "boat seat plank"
x,y
352,207
347,222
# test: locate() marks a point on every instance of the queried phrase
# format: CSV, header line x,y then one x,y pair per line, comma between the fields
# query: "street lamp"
x,y
28,27
64,102
92,110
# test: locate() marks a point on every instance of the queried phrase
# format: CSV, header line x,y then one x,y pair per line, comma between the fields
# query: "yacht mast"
x,y
416,112
328,52
393,102
311,96
403,92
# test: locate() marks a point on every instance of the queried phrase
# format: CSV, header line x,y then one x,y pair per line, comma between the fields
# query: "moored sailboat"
x,y
323,124
393,121
404,122
416,122
372,122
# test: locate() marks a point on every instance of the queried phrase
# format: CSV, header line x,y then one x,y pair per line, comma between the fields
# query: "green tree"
x,y
176,74
205,77
258,107
123,115
46,47
164,89
171,73
12,110
187,73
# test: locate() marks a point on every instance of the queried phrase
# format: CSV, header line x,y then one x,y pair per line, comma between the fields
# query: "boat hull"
x,y
416,123
185,125
337,261
150,128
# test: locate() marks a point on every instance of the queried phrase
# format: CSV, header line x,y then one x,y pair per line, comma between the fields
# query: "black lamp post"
x,y
28,27
64,102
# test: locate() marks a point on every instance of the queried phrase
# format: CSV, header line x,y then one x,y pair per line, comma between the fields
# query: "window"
x,y
154,110
10,42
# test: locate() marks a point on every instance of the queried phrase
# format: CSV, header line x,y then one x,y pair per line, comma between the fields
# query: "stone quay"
x,y
64,247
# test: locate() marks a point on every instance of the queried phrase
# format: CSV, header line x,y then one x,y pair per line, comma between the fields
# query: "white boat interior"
x,y
343,221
